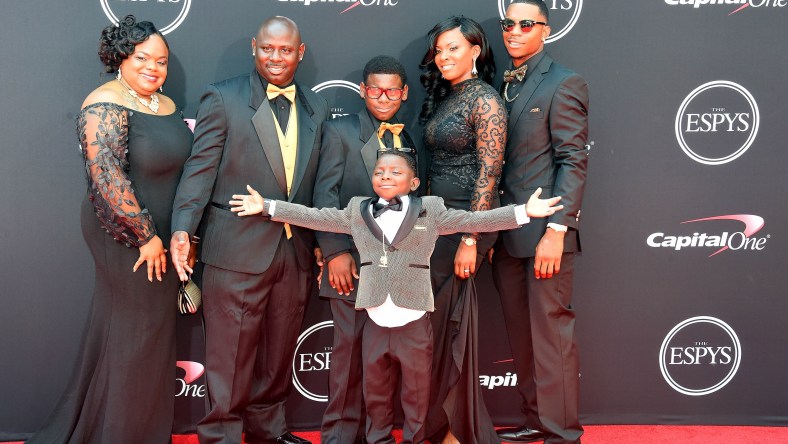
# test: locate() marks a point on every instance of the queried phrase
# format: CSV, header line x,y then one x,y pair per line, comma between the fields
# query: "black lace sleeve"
x,y
489,121
103,136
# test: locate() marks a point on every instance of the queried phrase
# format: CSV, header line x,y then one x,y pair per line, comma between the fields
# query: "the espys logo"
x,y
700,356
342,96
563,16
353,3
717,122
742,240
739,5
312,361
172,12
186,387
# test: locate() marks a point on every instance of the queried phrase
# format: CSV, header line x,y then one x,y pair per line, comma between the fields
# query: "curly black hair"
x,y
384,64
437,87
118,41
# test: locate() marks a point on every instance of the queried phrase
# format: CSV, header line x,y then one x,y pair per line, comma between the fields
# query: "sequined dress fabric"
x,y
123,384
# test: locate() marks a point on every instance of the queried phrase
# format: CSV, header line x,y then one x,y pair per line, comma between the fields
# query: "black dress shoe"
x,y
289,438
521,434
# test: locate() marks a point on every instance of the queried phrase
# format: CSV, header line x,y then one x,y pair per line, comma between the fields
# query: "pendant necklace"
x,y
152,105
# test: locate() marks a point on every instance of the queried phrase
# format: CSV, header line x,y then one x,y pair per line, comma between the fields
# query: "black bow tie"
x,y
395,204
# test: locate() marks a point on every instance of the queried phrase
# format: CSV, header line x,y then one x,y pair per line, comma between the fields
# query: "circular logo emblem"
x,y
563,16
717,122
700,356
312,361
159,12
342,96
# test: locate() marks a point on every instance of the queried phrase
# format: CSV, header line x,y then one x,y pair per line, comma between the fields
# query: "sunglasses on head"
x,y
382,151
525,25
373,92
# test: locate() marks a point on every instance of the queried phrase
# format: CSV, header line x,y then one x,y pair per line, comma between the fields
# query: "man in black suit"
x,y
350,146
533,265
262,129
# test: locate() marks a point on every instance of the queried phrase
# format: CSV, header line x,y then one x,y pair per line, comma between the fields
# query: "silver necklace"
x,y
506,94
152,105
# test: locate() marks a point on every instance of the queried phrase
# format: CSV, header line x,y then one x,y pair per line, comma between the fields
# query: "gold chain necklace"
x,y
152,105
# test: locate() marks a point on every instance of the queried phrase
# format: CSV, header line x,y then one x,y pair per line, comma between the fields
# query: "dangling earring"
x,y
118,76
161,90
474,72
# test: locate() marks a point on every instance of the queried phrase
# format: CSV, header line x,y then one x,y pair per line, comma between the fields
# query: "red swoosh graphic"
x,y
752,224
193,370
739,9
350,7
505,360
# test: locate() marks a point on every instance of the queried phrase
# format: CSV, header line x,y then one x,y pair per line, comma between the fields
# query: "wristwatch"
x,y
469,239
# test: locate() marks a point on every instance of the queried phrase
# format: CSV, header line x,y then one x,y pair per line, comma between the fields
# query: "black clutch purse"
x,y
189,298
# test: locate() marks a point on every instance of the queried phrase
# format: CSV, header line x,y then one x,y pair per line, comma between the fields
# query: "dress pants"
x,y
388,353
252,322
540,323
343,420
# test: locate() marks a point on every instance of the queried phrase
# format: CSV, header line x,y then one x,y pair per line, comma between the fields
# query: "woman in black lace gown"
x,y
134,143
465,132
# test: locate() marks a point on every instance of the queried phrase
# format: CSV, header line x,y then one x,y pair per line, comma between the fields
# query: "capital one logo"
x,y
734,240
740,5
342,96
717,122
186,386
354,3
171,12
700,356
563,16
312,360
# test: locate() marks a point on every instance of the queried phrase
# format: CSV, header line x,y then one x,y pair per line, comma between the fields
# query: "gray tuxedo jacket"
x,y
407,276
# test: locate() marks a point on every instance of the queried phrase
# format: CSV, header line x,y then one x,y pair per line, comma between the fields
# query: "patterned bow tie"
x,y
395,204
274,91
395,128
518,74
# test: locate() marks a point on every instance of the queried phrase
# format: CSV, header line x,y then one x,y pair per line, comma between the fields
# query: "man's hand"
x,y
548,254
341,272
542,207
465,261
247,204
180,253
319,261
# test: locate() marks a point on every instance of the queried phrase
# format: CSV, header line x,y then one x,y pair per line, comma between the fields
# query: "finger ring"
x,y
467,271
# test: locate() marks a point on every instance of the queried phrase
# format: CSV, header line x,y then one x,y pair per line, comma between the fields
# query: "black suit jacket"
x,y
235,144
347,158
546,147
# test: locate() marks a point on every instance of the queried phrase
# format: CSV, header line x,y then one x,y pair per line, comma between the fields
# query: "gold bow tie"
x,y
518,73
274,91
395,128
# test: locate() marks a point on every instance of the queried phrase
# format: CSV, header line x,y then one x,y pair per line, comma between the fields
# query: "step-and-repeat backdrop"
x,y
680,291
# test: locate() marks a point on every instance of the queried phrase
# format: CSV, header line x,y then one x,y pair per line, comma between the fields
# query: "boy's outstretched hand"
x,y
539,207
247,204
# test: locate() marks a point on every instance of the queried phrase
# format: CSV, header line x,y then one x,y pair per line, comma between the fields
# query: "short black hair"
x,y
410,159
538,3
384,64
118,41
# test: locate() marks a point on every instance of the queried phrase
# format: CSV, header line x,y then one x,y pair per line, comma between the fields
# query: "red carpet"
x,y
628,434
645,434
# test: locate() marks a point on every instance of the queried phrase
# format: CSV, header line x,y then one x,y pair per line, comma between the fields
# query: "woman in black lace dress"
x,y
134,143
465,132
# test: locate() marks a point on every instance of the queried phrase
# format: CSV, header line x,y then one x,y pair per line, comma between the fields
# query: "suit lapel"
x,y
370,221
528,90
367,135
306,139
263,121
414,208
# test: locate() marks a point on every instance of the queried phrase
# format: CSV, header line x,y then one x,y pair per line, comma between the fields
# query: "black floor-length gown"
x,y
123,385
466,137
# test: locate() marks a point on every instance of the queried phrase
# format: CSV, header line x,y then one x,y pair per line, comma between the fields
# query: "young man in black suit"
x,y
260,128
348,153
395,234
533,265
